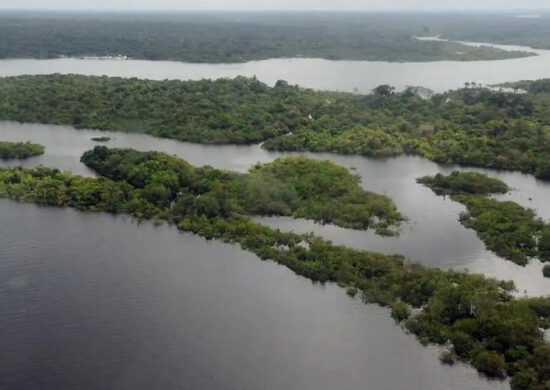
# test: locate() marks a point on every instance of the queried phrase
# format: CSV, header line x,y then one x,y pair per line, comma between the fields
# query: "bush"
x,y
490,363
351,291
447,357
546,271
400,311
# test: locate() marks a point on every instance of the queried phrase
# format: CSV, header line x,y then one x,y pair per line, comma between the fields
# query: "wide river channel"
x,y
94,301
350,76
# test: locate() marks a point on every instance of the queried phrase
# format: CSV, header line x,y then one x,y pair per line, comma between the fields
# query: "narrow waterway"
x,y
432,235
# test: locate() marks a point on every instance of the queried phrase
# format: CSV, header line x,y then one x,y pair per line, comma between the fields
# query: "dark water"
x,y
91,301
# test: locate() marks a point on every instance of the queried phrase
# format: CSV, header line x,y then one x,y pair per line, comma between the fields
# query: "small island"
x,y
463,183
102,138
508,229
19,150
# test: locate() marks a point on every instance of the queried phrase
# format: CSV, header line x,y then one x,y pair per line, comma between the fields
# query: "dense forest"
x,y
510,230
229,37
477,318
472,126
292,186
514,28
19,150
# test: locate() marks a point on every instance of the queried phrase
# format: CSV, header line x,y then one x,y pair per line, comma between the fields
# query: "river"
x,y
95,301
351,76
432,235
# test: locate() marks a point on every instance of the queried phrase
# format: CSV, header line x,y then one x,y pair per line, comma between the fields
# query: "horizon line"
x,y
363,10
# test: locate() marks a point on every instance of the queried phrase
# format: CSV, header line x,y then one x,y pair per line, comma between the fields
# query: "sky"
x,y
338,5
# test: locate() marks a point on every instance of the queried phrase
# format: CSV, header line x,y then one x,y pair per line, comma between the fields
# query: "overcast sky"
x,y
341,5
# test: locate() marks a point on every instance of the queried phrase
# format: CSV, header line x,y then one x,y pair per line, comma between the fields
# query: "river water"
x,y
432,235
351,76
92,301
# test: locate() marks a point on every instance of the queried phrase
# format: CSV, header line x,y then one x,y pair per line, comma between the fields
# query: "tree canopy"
x,y
471,126
508,229
477,316
19,150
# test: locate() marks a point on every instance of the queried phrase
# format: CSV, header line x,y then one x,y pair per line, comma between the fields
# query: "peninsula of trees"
x,y
471,126
19,150
475,316
510,230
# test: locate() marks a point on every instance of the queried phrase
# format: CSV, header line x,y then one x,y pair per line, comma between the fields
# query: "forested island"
x,y
19,150
101,139
510,230
477,317
232,37
472,126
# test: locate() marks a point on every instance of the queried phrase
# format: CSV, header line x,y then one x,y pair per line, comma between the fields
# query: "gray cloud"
x,y
418,5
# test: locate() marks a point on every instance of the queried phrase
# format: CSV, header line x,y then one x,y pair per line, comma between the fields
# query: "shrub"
x,y
490,363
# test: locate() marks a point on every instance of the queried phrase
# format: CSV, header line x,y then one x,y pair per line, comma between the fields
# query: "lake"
x,y
351,76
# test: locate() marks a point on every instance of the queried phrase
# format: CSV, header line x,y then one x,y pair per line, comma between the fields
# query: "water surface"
x,y
432,235
92,301
351,76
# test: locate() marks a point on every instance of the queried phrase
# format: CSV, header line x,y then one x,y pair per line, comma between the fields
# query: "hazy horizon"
x,y
280,5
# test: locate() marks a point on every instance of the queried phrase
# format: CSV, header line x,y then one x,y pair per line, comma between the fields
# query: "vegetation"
x,y
497,334
546,271
19,150
292,186
447,357
229,37
101,139
471,126
528,29
464,183
511,231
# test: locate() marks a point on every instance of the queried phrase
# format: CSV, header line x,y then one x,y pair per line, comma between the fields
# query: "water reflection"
x,y
93,301
432,235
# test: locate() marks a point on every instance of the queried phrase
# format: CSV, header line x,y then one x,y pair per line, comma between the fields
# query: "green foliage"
x,y
101,139
400,311
229,37
351,291
546,271
292,186
506,228
544,244
471,126
490,363
463,182
498,334
447,357
511,231
19,150
319,190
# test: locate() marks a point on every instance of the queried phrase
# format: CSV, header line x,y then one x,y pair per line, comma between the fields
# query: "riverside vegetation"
x,y
471,126
230,37
486,326
510,230
19,150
